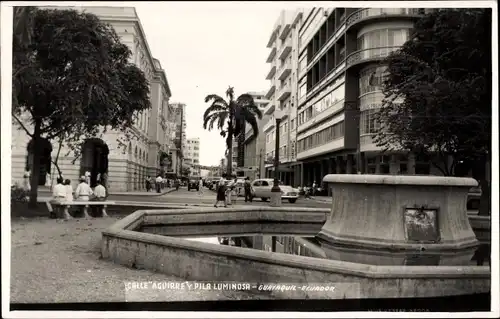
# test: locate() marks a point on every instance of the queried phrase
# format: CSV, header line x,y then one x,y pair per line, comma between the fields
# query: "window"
x,y
383,38
371,79
292,124
264,183
257,183
368,124
322,137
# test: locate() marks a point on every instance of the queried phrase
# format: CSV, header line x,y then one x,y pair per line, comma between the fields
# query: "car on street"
x,y
262,189
194,184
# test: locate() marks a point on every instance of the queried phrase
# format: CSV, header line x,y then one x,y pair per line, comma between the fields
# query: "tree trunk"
x,y
484,201
35,171
57,159
230,153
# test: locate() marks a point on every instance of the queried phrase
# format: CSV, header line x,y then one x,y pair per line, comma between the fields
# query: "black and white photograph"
x,y
249,158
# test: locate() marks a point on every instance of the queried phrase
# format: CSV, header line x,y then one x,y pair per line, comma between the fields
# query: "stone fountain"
x,y
398,220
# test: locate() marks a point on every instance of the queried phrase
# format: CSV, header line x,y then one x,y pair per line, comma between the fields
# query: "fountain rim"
x,y
410,180
122,231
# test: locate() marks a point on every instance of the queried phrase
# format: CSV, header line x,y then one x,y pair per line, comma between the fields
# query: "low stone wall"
x,y
200,261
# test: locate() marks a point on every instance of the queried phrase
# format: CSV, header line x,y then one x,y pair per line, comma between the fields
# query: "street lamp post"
x,y
275,200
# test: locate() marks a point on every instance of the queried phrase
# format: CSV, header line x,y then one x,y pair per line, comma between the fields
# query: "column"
x,y
394,165
338,162
329,166
411,163
362,163
301,168
321,171
377,164
349,164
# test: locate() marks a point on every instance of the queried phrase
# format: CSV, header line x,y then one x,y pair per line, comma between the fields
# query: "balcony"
x,y
271,91
284,70
269,108
380,13
272,38
271,72
284,92
368,55
285,50
271,55
285,29
269,125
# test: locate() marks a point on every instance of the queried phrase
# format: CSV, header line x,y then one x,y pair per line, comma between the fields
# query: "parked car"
x,y
194,184
262,189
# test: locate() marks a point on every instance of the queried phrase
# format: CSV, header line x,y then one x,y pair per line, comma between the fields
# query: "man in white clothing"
x,y
158,181
58,196
83,190
83,193
100,196
87,177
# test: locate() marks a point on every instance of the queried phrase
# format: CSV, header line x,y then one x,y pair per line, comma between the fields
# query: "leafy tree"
x,y
73,80
230,118
438,94
186,170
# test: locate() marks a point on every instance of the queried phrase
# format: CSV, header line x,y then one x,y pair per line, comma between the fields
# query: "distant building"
x,y
192,155
254,146
282,94
180,141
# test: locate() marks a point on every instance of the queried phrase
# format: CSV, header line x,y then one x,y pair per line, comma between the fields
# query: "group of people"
x,y
63,192
226,187
159,183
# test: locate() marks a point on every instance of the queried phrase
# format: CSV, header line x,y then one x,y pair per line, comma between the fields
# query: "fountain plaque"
x,y
421,225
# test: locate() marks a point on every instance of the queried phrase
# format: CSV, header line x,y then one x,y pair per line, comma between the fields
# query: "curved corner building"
x,y
339,89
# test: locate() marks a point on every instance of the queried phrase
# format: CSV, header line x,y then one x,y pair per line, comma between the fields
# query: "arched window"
x,y
135,153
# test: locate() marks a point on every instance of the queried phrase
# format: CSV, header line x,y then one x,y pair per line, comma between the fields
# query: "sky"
x,y
206,47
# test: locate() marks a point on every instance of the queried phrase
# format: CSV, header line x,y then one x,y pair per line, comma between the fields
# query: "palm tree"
x,y
230,118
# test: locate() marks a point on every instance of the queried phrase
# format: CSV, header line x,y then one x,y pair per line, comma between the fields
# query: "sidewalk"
x,y
44,189
320,199
144,193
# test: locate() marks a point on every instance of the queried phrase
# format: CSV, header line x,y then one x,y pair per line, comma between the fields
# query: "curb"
x,y
145,194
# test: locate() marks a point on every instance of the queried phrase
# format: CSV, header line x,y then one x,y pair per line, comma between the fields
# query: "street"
x,y
183,196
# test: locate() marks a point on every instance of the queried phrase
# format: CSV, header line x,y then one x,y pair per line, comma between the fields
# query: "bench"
x,y
85,204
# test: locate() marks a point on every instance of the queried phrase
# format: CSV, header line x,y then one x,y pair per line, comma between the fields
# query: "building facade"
x,y
192,156
254,146
180,139
340,89
127,162
282,94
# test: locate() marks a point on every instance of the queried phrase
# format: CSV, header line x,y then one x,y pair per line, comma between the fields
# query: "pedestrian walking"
x,y
200,187
26,180
221,191
158,183
148,183
248,190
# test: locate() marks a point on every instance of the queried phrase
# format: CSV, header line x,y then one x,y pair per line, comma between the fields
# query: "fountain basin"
x,y
395,212
125,244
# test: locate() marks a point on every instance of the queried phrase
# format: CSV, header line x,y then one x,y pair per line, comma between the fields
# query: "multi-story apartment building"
x,y
192,155
254,146
180,140
126,162
339,81
282,94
